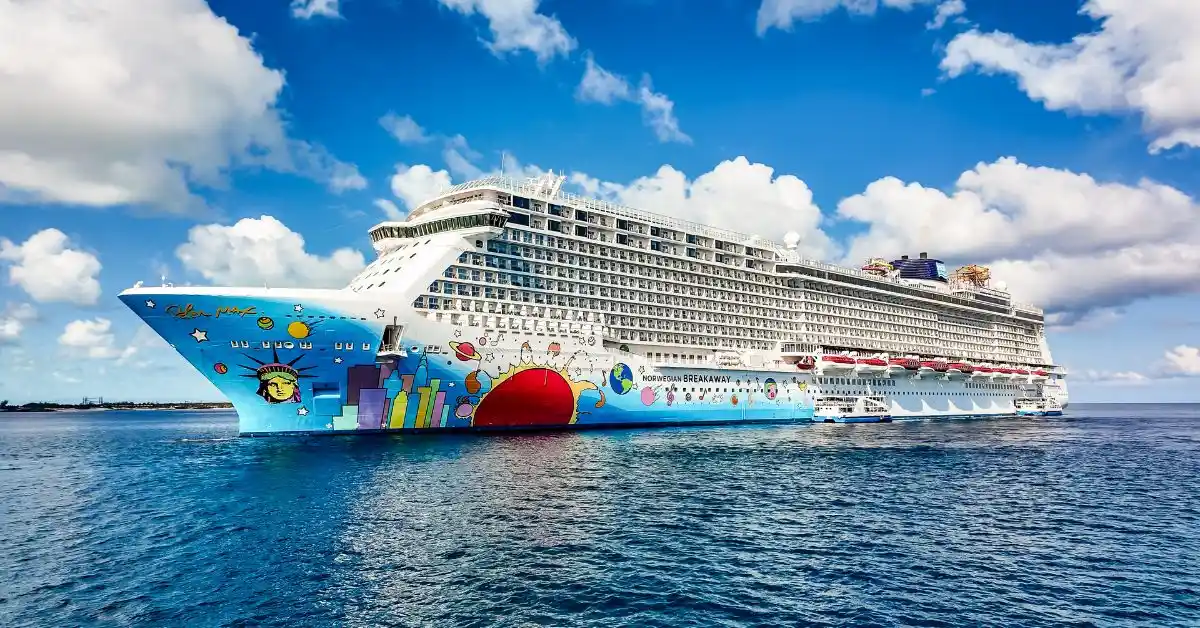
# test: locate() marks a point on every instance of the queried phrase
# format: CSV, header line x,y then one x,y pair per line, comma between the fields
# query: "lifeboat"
x,y
941,366
806,363
1004,372
1040,375
896,365
1021,371
982,371
836,362
958,368
872,365
927,367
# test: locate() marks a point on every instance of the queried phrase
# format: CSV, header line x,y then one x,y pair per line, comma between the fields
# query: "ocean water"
x,y
145,518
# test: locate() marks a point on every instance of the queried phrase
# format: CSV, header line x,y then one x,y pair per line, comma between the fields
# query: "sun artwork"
x,y
532,394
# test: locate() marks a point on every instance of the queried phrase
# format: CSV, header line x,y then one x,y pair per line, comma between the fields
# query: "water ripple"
x,y
118,519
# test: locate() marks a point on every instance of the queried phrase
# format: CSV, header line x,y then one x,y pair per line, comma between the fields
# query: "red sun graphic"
x,y
533,397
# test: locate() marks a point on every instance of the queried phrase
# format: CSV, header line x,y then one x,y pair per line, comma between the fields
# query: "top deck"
x,y
548,188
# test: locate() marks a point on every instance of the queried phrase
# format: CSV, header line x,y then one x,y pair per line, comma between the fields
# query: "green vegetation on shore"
x,y
43,406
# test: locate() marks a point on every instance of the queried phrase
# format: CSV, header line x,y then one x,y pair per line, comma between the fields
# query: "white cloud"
x,y
264,251
404,129
658,111
1183,360
600,85
126,102
416,184
460,158
1144,59
308,9
512,167
1114,378
737,194
13,320
782,14
389,209
94,339
946,10
47,269
1059,239
516,25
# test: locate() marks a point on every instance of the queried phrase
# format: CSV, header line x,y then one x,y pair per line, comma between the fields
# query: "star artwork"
x,y
458,333
298,308
302,411
150,303
337,360
380,313
200,335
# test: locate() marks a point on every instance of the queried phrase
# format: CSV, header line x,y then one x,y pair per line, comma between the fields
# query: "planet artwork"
x,y
620,378
265,323
299,329
465,351
220,368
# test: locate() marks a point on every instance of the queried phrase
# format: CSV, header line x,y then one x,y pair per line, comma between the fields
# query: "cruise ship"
x,y
514,304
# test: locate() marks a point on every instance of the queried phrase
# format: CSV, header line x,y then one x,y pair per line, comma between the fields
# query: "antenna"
x,y
503,158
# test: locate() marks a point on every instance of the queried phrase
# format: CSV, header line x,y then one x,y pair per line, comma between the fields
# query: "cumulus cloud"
x,y
1059,239
94,339
1143,59
125,102
308,9
1183,361
517,25
416,184
13,320
404,128
47,269
782,14
736,194
264,251
658,111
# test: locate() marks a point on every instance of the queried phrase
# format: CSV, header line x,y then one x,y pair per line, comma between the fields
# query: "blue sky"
x,y
145,136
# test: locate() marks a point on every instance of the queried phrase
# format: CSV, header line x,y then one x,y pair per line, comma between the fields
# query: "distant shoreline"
x,y
93,407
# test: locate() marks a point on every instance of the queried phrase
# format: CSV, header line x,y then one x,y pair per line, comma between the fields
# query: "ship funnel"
x,y
924,256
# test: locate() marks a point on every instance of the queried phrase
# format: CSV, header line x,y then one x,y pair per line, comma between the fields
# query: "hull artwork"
x,y
328,361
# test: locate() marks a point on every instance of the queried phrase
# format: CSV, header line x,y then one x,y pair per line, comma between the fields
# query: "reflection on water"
x,y
148,518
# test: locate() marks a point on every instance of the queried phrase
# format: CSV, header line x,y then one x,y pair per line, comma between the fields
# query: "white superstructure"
x,y
682,294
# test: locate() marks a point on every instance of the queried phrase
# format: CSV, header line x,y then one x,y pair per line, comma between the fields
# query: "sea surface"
x,y
169,519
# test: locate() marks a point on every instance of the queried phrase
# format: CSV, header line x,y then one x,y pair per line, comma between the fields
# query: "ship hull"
x,y
309,362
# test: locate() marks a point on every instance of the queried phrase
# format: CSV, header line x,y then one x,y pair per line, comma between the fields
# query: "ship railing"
x,y
854,272
533,188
